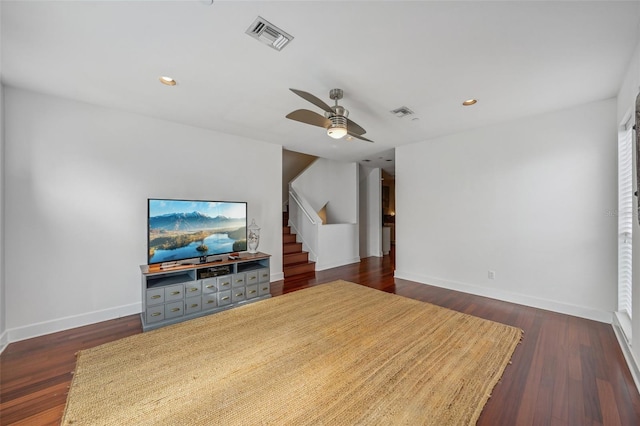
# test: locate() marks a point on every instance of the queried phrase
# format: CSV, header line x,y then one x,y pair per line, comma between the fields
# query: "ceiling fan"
x,y
334,120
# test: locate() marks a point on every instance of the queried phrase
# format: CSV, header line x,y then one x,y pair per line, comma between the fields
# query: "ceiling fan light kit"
x,y
338,127
335,119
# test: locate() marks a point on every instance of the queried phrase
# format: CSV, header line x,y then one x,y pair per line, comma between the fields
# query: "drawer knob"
x,y
252,292
175,309
238,294
173,293
209,286
193,289
210,301
194,305
156,296
155,314
252,278
225,298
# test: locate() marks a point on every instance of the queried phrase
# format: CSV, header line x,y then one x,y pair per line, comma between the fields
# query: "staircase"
x,y
294,260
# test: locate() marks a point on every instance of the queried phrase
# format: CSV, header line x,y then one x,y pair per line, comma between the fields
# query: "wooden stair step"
x,y
288,238
291,248
293,258
299,268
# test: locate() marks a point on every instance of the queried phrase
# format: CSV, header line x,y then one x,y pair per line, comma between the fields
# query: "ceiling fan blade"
x,y
359,137
354,128
309,117
314,100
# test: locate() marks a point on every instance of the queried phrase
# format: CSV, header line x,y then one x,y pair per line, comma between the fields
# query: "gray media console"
x,y
182,292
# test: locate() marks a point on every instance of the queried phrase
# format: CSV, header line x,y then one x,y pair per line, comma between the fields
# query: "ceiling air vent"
x,y
401,112
269,34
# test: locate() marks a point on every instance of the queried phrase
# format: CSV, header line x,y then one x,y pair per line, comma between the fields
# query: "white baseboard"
x,y
53,326
277,277
632,363
323,266
521,299
4,341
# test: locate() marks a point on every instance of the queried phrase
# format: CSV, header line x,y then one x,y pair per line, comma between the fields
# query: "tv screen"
x,y
186,229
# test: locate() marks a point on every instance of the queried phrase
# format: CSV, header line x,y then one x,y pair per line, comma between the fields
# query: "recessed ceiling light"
x,y
470,102
167,80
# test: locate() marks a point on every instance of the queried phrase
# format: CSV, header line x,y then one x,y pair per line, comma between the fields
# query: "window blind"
x,y
625,220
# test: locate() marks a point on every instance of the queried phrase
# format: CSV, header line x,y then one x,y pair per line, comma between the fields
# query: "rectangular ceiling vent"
x,y
401,112
262,30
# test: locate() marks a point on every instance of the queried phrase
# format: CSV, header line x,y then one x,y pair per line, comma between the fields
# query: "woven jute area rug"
x,y
333,354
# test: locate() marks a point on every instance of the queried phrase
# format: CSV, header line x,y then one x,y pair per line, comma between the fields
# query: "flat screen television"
x,y
194,229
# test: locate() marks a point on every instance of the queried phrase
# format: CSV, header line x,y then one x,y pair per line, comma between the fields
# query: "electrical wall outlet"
x,y
491,274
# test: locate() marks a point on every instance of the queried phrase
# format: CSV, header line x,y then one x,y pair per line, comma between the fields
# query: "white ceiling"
x,y
518,58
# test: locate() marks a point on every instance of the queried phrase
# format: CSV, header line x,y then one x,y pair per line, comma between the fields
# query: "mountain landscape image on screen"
x,y
183,235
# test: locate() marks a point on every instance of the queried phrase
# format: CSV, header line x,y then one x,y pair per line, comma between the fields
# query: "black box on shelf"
x,y
214,271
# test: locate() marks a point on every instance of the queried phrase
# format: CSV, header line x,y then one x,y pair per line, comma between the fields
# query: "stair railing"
x,y
305,222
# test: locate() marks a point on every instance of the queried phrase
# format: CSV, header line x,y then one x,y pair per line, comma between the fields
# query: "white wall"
x,y
527,199
292,164
77,179
337,245
336,183
333,182
3,308
370,212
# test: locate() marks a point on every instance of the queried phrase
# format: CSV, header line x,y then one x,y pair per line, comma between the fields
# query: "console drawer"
x,y
264,288
174,309
263,275
173,292
224,282
251,277
192,289
209,285
224,297
252,290
209,301
155,313
237,294
238,280
155,296
192,304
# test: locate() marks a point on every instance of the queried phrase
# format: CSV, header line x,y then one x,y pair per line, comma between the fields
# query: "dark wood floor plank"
x,y
530,406
590,389
566,370
560,406
608,402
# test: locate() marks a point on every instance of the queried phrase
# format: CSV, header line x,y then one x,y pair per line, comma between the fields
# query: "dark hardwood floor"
x,y
566,371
